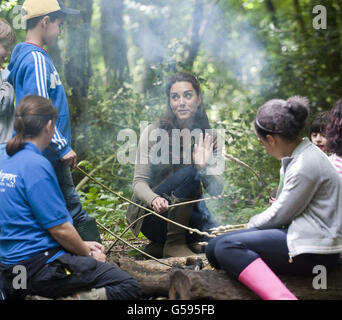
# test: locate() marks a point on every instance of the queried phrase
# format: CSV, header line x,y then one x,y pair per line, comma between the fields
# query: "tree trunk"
x,y
114,42
335,60
299,16
271,8
77,70
56,54
331,56
195,41
153,52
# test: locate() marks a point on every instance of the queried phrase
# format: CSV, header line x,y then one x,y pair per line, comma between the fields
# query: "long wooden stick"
x,y
123,233
191,230
130,245
85,179
228,156
241,163
223,196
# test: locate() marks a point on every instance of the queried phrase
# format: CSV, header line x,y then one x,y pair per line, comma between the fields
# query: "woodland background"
x,y
114,58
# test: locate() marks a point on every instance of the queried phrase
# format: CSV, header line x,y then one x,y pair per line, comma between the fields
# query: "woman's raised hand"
x,y
202,151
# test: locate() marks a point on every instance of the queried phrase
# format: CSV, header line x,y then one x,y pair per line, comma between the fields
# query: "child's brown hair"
x,y
7,35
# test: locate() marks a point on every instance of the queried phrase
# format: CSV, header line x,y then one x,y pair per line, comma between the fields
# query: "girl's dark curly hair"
x,y
333,130
318,123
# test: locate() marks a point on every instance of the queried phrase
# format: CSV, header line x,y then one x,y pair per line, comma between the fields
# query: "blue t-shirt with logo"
x,y
31,202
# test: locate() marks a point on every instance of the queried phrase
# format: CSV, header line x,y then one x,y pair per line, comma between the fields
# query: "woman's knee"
x,y
190,183
124,287
189,174
210,252
233,256
131,289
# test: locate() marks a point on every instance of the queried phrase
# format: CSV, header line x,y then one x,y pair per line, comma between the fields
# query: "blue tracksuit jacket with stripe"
x,y
32,72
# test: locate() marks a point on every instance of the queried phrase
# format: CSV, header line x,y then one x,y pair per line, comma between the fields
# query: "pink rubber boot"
x,y
258,277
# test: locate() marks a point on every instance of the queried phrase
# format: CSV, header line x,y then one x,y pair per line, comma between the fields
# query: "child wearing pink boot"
x,y
303,227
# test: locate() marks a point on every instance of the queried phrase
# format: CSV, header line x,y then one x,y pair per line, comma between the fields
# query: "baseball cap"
x,y
36,8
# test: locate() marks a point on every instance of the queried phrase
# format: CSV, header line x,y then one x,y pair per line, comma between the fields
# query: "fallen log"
x,y
154,282
183,281
154,277
206,285
216,285
178,283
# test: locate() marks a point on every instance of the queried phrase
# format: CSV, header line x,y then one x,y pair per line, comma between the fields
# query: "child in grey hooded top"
x,y
303,226
7,39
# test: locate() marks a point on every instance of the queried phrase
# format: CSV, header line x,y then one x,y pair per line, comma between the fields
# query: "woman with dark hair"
x,y
173,162
303,227
36,230
333,135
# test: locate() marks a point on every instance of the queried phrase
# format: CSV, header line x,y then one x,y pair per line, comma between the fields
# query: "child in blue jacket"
x,y
32,72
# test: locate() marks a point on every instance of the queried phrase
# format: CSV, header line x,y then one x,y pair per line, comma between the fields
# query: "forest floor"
x,y
122,251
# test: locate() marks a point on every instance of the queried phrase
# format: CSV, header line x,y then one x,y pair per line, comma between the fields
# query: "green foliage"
x,y
248,195
108,209
245,59
250,51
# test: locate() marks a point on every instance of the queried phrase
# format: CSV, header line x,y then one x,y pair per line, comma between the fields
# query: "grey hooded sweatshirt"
x,y
7,110
310,203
